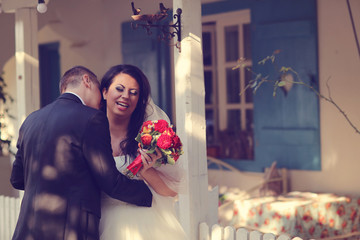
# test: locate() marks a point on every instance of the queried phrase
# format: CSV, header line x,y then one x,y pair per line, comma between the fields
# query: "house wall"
x,y
339,67
92,38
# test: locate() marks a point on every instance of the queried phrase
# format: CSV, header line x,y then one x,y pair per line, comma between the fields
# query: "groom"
x,y
64,161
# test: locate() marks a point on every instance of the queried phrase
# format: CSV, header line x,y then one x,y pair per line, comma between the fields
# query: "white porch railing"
x,y
9,212
229,233
10,206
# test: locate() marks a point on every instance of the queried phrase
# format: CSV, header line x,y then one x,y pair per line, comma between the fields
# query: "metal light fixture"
x,y
149,21
41,7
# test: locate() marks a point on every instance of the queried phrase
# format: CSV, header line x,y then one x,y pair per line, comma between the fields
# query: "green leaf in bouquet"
x,y
154,133
138,138
165,152
151,149
170,160
153,140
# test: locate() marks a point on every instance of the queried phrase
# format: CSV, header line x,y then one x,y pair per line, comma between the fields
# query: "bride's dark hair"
x,y
129,145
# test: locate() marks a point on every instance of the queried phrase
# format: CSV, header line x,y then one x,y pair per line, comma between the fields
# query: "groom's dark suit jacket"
x,y
64,160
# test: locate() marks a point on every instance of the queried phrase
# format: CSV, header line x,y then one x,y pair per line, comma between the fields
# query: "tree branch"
x,y
259,80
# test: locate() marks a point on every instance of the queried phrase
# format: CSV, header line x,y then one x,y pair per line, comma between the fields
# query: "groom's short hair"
x,y
73,76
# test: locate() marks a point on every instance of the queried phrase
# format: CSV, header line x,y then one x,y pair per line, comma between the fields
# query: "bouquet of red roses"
x,y
154,134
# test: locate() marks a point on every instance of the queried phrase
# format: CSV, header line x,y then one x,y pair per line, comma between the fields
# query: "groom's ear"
x,y
86,80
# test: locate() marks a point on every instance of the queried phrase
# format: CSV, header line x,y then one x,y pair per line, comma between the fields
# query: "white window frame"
x,y
221,106
213,69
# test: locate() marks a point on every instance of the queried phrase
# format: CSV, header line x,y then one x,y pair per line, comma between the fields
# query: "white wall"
x,y
339,65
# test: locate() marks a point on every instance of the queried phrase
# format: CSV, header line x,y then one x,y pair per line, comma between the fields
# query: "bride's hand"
x,y
149,159
151,175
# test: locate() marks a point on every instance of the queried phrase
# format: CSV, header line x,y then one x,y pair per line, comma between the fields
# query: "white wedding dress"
x,y
123,221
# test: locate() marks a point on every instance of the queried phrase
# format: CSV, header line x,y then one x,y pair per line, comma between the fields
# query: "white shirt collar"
x,y
78,97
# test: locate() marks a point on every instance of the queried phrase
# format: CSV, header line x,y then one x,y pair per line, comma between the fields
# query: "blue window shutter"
x,y
287,125
152,56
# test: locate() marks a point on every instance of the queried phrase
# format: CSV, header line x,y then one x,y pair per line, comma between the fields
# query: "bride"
x,y
127,103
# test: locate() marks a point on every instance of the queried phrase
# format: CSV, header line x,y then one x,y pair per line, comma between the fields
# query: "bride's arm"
x,y
152,177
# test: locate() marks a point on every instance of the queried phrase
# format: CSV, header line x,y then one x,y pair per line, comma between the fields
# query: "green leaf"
x,y
284,69
272,59
262,62
138,138
258,76
166,151
151,150
170,159
236,67
154,139
281,83
254,84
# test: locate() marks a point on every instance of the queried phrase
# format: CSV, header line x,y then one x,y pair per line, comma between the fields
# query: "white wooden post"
x,y
27,63
190,116
26,55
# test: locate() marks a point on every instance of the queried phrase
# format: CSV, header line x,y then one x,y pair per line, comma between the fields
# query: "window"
x,y
260,128
285,129
229,115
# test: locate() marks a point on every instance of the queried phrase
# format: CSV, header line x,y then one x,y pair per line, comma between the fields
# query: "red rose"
x,y
175,156
164,141
146,139
147,127
147,123
161,125
176,142
169,131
